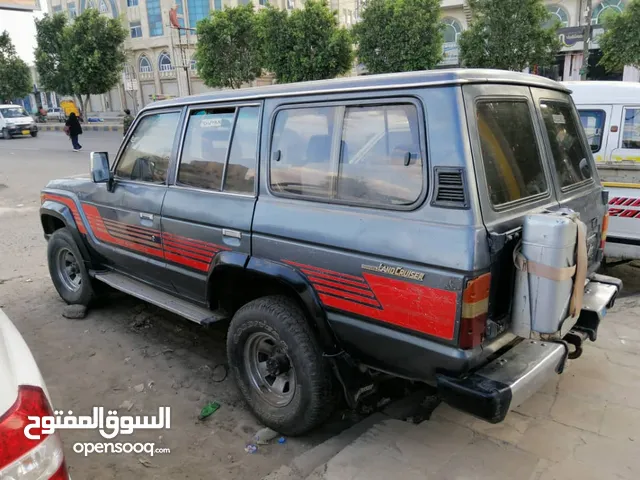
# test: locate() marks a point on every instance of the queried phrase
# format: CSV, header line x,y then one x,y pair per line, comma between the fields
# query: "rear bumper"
x,y
510,379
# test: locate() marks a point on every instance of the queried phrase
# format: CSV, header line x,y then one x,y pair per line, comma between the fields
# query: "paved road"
x,y
121,344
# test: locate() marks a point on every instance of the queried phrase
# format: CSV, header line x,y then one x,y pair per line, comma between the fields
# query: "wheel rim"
x,y
69,270
270,369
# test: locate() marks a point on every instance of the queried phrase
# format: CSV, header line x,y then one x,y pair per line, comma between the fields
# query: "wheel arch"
x,y
54,216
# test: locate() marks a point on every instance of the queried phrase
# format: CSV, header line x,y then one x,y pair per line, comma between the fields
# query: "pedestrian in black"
x,y
73,129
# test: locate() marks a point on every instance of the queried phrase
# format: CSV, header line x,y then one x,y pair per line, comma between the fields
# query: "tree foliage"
x,y
399,35
509,35
620,43
228,50
84,57
306,44
15,77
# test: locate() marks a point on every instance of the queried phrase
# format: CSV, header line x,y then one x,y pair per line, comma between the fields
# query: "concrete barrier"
x,y
85,128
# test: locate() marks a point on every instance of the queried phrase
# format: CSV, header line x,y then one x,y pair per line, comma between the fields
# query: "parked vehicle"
x,y
69,106
23,394
56,113
610,114
354,229
14,120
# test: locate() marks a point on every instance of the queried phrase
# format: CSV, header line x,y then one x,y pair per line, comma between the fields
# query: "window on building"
x,y
71,8
57,8
558,14
593,124
194,65
180,12
136,29
605,8
164,62
217,5
104,8
145,65
452,30
511,159
376,159
146,157
631,130
206,150
132,3
291,4
570,155
154,16
198,9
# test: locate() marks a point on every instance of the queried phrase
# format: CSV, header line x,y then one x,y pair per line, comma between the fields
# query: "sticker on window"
x,y
559,119
211,123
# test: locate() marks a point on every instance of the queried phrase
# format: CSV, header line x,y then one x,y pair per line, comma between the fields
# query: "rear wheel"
x,y
279,367
34,134
67,269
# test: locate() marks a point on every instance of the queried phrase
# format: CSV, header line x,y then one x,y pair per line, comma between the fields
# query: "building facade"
x,y
160,57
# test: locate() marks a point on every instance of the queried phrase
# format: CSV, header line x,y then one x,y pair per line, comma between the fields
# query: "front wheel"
x,y
278,366
34,134
67,269
6,135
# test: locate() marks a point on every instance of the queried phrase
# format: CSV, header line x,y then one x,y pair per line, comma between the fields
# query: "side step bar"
x,y
164,300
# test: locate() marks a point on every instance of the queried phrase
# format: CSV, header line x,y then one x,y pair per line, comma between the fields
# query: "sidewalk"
x,y
585,424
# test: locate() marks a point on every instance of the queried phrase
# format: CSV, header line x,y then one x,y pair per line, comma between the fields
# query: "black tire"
x,y
61,244
6,135
313,399
34,134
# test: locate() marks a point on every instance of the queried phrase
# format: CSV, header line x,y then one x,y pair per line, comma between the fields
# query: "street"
x,y
121,344
130,356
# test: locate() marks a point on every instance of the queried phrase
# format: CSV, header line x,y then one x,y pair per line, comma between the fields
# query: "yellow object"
x,y
620,185
68,106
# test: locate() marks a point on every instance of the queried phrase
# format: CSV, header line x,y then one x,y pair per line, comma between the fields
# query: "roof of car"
x,y
602,92
418,79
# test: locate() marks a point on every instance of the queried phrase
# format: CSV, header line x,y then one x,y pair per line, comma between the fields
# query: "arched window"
x,y
558,14
452,30
144,65
164,62
604,8
103,7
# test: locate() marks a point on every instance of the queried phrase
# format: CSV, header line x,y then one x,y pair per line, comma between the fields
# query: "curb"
x,y
85,128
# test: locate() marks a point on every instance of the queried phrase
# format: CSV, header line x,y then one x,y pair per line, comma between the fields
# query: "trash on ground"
x,y
139,388
127,404
208,410
145,462
251,448
264,436
282,440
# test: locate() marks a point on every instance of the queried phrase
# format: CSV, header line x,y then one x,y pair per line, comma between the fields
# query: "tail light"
x,y
475,310
21,457
605,227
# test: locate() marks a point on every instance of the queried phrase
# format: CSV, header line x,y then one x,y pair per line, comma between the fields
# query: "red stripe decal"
x,y
324,270
321,281
186,261
180,245
72,207
340,293
138,228
333,278
186,254
193,242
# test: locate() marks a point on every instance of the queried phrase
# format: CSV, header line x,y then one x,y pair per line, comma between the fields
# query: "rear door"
x,y
574,172
209,206
628,147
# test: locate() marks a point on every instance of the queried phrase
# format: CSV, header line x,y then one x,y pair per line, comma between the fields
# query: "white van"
x,y
14,120
610,115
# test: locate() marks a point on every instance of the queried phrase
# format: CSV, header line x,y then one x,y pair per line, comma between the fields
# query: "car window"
x,y
301,151
570,156
205,148
510,155
146,157
593,124
631,129
13,112
381,159
241,169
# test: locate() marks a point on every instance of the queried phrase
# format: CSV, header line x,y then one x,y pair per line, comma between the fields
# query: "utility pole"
x,y
586,40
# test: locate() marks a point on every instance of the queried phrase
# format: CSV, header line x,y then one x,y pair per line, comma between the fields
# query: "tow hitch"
x,y
575,338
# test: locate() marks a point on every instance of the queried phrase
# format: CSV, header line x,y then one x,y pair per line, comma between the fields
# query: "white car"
x,y
56,113
23,394
14,120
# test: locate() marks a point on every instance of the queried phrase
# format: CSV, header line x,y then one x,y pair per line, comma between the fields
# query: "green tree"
x,y
620,43
306,44
15,77
400,35
509,35
82,58
228,50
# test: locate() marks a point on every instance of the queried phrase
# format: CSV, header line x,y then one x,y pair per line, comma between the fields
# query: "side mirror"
x,y
100,172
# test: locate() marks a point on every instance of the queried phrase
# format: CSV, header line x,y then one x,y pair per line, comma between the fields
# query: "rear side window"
x,y
510,155
366,154
631,130
593,124
570,156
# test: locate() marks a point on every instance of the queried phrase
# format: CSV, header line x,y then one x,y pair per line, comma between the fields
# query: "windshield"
x,y
13,112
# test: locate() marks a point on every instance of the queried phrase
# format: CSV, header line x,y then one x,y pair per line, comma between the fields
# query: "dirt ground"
x,y
122,344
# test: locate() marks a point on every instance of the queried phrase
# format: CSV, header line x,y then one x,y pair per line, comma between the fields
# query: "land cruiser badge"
x,y
396,271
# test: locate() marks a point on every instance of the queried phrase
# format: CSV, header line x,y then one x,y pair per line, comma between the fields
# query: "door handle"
x,y
231,233
146,216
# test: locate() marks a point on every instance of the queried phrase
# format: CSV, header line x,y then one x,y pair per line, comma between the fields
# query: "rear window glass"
x,y
593,123
631,130
510,155
570,156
